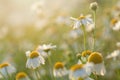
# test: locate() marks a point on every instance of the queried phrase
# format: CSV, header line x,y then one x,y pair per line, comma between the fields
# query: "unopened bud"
x,y
94,6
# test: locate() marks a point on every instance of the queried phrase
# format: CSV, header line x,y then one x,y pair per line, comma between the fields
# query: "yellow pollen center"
x,y
20,75
95,57
76,67
4,65
34,54
114,21
81,17
59,65
87,52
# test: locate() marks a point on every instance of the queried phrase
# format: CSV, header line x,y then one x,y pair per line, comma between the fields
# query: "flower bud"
x,y
94,6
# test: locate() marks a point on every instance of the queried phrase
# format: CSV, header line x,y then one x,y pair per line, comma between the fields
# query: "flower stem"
x,y
36,75
84,31
50,69
94,40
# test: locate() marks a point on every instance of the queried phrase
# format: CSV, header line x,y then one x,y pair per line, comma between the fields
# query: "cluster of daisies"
x,y
90,63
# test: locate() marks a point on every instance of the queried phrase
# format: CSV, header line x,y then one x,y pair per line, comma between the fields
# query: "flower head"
x,y
94,6
7,69
82,20
114,54
59,69
34,60
118,44
78,72
45,49
22,76
115,24
97,60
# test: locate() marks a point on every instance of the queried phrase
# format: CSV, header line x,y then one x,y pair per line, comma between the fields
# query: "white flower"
x,y
6,69
115,24
79,71
45,49
63,20
82,20
118,44
114,54
75,33
90,27
22,76
34,60
59,70
98,64
38,7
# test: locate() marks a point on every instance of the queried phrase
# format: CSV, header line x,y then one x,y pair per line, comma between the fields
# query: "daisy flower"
x,y
22,76
38,7
6,69
82,20
59,70
115,24
45,49
118,44
79,72
34,60
97,60
114,54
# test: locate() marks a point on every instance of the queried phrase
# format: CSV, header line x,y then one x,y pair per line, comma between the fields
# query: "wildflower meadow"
x,y
59,39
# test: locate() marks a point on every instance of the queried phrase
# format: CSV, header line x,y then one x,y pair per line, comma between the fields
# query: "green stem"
x,y
84,31
94,40
35,72
50,69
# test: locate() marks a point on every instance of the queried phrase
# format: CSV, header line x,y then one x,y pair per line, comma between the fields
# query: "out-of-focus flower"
x,y
115,24
97,60
22,76
82,20
38,7
75,33
118,44
6,69
79,72
90,27
44,49
34,60
114,54
63,20
94,6
59,69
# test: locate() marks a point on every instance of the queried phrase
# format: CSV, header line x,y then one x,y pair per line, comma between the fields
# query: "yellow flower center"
x,y
114,21
76,67
87,52
34,54
80,78
95,57
81,17
20,75
4,65
59,65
